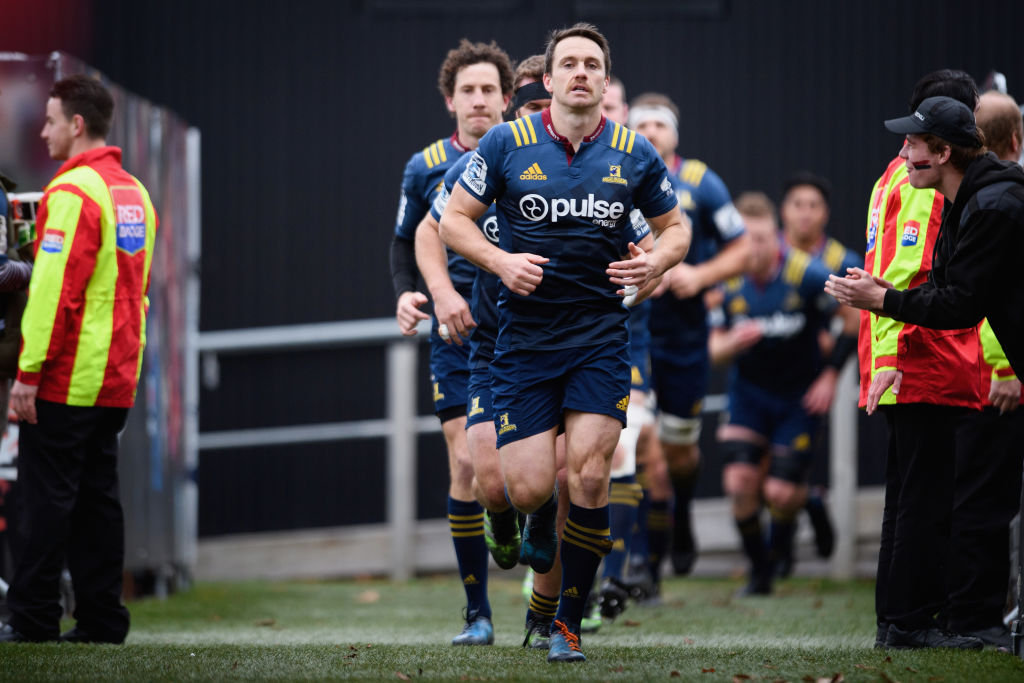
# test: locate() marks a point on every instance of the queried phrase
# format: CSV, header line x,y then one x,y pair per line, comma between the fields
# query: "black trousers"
x,y
910,585
990,449
67,473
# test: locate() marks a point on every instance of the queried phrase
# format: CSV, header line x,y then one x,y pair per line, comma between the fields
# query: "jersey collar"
x,y
549,126
90,157
454,139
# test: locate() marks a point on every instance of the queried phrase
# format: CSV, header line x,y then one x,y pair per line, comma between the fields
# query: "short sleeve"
x,y
482,176
654,195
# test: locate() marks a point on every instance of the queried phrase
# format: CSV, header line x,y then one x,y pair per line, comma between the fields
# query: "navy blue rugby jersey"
x,y
484,302
421,182
573,209
791,309
837,257
679,326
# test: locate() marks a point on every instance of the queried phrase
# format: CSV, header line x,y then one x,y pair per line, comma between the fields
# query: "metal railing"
x,y
400,426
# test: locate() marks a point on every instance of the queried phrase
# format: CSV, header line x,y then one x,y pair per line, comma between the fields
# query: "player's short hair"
x,y
532,67
583,30
755,204
1001,122
467,54
948,83
800,178
655,99
86,96
615,80
960,157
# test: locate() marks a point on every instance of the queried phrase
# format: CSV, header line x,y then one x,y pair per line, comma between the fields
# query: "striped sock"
x,y
659,532
623,501
466,519
585,541
543,607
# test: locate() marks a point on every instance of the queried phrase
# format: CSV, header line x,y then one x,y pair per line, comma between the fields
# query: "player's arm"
x,y
818,398
726,341
404,276
689,280
672,240
634,295
450,308
521,273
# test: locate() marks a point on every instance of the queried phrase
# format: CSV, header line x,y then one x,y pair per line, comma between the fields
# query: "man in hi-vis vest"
x,y
83,332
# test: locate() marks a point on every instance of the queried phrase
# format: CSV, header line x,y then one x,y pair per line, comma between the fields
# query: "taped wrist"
x,y
404,273
846,344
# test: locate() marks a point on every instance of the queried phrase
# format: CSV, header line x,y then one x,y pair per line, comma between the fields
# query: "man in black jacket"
x,y
977,256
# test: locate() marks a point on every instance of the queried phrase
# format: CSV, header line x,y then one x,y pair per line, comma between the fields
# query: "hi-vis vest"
x,y
84,327
939,366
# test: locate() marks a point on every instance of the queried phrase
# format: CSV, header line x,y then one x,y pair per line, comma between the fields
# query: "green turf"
x,y
373,630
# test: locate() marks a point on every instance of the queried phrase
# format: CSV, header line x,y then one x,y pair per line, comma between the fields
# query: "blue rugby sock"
x,y
466,519
659,534
623,501
585,541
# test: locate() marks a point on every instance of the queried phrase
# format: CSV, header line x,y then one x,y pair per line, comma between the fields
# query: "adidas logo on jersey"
x,y
571,592
533,173
623,404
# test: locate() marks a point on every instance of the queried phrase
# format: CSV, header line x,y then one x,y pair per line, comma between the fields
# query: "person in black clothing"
x,y
970,278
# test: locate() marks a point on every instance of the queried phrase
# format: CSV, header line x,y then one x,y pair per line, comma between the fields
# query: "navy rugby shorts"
x,y
533,389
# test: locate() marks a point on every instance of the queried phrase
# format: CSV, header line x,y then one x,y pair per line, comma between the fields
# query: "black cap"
x,y
944,118
799,178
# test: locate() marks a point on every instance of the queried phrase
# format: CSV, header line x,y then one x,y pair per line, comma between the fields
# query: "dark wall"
x,y
309,111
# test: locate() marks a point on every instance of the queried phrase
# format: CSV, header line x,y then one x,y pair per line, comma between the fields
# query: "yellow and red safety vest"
x,y
84,327
939,366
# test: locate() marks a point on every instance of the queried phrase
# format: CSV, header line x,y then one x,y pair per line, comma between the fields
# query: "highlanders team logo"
x,y
911,229
131,219
614,175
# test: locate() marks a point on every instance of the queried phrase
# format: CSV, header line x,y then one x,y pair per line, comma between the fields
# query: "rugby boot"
x,y
915,639
612,597
592,621
477,631
565,643
540,540
538,632
502,537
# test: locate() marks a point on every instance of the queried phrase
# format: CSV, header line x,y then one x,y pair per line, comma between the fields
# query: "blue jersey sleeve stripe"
x,y
426,157
522,131
533,133
515,133
440,149
632,136
615,135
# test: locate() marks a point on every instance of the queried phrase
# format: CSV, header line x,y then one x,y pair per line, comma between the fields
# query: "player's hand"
x,y
879,383
522,272
743,335
452,311
638,270
1004,394
818,398
408,313
686,281
23,401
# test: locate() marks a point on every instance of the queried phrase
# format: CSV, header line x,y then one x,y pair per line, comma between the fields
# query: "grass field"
x,y
811,630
